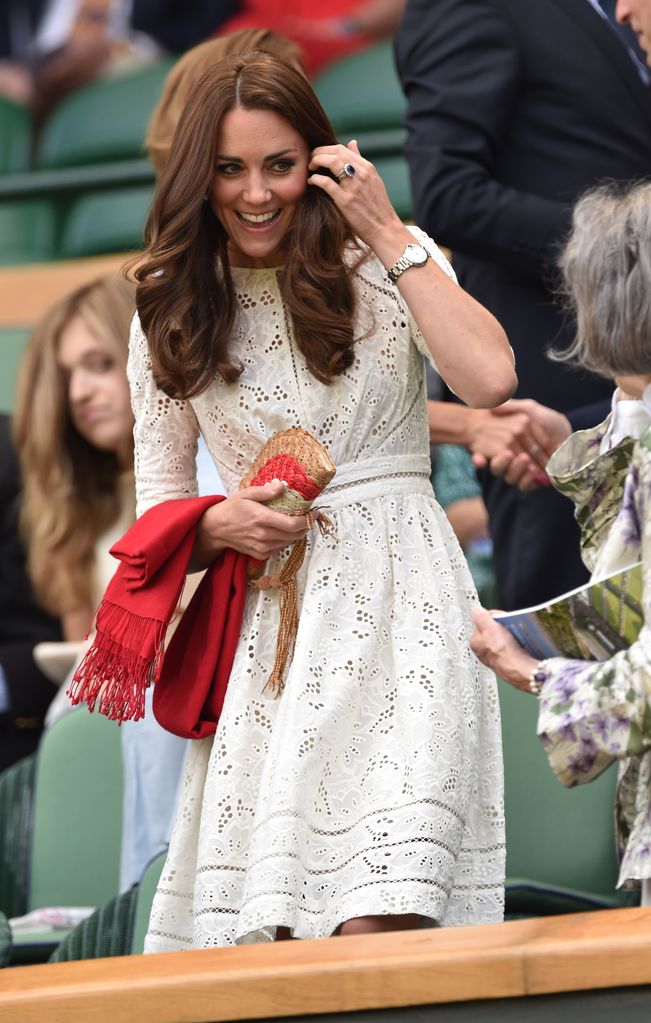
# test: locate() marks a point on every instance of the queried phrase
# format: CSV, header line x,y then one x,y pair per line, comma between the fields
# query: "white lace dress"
x,y
374,784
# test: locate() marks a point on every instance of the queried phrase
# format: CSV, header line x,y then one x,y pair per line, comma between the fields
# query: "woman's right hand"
x,y
498,649
244,523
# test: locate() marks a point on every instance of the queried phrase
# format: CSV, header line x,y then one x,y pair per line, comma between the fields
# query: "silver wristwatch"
x,y
414,255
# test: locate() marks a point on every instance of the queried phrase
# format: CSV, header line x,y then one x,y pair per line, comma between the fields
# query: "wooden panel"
x,y
429,967
288,978
591,950
26,292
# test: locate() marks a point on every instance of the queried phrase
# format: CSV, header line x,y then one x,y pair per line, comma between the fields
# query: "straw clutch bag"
x,y
301,461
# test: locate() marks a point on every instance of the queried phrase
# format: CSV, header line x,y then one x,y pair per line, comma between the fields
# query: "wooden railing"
x,y
542,956
26,292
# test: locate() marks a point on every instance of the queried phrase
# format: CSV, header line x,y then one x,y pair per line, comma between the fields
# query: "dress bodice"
x,y
375,410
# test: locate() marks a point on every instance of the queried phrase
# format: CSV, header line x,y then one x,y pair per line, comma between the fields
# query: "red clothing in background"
x,y
289,17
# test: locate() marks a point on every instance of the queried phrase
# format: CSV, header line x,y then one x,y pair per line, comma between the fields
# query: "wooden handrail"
x,y
543,955
27,292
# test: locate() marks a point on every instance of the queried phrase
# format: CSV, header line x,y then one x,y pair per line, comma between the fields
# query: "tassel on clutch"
x,y
301,461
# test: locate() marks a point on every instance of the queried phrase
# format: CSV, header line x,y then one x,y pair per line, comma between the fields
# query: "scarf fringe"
x,y
115,674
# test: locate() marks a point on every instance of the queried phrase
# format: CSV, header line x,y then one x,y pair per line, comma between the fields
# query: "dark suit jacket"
x,y
514,109
22,622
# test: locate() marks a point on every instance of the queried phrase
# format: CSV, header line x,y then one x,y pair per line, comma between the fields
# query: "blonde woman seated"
x,y
74,433
593,713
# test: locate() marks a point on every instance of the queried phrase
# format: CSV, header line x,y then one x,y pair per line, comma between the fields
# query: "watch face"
x,y
416,254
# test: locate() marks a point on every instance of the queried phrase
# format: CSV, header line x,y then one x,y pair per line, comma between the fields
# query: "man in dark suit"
x,y
514,109
25,693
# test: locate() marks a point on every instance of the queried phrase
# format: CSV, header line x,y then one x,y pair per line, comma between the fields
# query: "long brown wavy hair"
x,y
71,489
186,299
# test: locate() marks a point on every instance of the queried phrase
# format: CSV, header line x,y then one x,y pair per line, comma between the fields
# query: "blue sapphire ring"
x,y
347,172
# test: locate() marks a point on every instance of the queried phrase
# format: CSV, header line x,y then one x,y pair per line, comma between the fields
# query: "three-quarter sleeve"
x,y
592,713
165,433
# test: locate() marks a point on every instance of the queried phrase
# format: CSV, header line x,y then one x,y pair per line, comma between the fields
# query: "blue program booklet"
x,y
590,623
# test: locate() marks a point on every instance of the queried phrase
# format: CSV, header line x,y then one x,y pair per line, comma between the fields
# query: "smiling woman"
x,y
255,193
280,290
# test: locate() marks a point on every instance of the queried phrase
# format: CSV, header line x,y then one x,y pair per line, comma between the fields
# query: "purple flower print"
x,y
596,439
629,522
620,718
566,728
582,762
602,726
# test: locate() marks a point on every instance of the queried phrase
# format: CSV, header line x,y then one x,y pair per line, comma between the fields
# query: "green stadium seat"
x,y
5,941
15,138
103,122
77,813
395,173
27,232
560,846
16,800
108,932
362,96
12,343
115,929
76,827
109,221
146,891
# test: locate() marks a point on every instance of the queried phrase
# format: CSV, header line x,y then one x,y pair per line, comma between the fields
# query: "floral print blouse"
x,y
592,713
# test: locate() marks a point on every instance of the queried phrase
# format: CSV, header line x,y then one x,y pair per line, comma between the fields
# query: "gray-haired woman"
x,y
592,713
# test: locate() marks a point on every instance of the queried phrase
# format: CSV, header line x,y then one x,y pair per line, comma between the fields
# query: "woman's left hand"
x,y
497,648
361,196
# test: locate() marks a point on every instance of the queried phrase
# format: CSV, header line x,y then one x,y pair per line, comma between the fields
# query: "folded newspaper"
x,y
590,623
51,918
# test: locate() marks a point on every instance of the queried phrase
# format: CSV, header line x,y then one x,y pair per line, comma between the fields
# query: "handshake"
x,y
514,440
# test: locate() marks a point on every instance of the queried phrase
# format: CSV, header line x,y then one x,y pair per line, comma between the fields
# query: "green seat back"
x,y
5,941
15,138
104,121
362,93
27,231
395,173
77,813
16,799
101,222
107,932
146,892
555,837
12,343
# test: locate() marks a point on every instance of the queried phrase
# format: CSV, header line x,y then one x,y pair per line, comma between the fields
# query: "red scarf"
x,y
127,653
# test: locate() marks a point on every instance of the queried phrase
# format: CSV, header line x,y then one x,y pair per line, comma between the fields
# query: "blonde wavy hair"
x,y
182,79
71,492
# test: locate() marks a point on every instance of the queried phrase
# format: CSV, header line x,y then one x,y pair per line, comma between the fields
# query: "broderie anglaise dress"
x,y
373,785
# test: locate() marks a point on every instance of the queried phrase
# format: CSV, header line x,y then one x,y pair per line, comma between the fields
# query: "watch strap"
x,y
402,264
